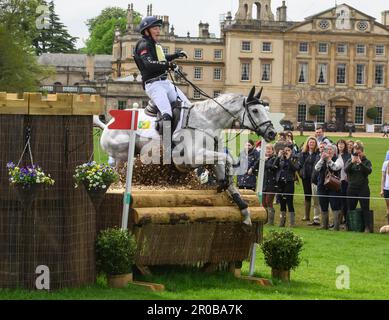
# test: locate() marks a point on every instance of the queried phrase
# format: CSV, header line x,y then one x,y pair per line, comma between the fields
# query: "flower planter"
x,y
27,194
96,196
283,275
120,281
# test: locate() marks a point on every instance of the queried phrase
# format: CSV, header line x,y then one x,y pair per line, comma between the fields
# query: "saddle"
x,y
153,111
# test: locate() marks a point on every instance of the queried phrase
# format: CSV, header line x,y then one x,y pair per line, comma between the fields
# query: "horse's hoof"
x,y
247,227
247,222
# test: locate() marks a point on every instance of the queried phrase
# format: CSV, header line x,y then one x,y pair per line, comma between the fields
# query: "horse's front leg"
x,y
223,173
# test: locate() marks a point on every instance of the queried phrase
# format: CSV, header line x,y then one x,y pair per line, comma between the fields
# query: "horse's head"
x,y
256,117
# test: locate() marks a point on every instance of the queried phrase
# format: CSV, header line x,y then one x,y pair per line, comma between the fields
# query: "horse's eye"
x,y
255,111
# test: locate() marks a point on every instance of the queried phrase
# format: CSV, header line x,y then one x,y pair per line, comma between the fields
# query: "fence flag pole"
x,y
127,120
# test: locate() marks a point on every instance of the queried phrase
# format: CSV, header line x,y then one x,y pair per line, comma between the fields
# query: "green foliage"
x,y
314,110
55,38
282,250
19,69
372,113
102,29
115,252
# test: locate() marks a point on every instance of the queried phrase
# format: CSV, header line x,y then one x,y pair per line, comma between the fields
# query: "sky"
x,y
186,15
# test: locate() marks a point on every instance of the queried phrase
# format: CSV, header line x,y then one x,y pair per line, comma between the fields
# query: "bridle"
x,y
256,127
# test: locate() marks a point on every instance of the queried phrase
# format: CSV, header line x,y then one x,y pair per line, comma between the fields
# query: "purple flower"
x,y
10,165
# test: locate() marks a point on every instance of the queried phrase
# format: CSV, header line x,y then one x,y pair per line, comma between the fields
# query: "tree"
x,y
19,68
372,113
54,38
314,110
18,17
102,29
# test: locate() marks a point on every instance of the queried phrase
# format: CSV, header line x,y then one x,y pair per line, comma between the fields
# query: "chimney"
x,y
151,9
204,30
130,17
90,67
281,12
385,18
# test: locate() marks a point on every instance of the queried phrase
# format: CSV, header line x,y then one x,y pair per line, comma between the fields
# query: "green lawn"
x,y
365,255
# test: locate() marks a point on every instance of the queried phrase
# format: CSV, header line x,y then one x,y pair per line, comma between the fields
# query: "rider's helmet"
x,y
149,22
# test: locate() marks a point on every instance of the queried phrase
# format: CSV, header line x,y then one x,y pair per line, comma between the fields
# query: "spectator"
x,y
344,156
386,130
329,163
316,203
249,165
258,145
385,184
307,162
290,140
320,137
350,146
358,169
281,143
269,183
286,165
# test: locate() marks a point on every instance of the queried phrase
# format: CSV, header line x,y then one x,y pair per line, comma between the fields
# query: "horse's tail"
x,y
98,123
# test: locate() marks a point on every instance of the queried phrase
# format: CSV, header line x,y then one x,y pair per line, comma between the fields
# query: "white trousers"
x,y
316,205
163,94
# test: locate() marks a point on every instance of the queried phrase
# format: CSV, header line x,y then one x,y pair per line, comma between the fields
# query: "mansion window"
x,y
165,50
245,72
341,73
379,74
380,50
266,47
303,47
361,49
322,73
323,47
321,117
122,105
301,112
266,72
217,74
341,48
196,95
246,46
303,73
198,54
218,54
379,119
217,93
359,115
198,73
361,71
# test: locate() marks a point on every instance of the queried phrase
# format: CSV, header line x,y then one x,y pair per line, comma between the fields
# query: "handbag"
x,y
332,182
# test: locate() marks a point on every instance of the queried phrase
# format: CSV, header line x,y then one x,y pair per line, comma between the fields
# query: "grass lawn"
x,y
366,256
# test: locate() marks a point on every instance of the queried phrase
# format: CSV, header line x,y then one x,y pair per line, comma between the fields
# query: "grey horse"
x,y
207,120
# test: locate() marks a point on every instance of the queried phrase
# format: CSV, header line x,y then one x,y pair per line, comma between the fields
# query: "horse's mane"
x,y
226,100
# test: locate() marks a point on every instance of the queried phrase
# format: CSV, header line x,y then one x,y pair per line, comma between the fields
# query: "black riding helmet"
x,y
149,22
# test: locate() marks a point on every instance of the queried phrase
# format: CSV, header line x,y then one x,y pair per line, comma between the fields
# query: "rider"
x,y
154,66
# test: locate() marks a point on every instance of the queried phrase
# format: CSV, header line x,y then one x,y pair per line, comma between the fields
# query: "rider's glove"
x,y
182,54
174,67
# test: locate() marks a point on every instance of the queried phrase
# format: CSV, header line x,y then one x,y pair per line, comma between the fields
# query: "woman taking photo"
x,y
329,163
307,161
286,165
344,156
269,183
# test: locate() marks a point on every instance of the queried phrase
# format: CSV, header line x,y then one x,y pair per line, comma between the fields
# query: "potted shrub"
x,y
282,253
372,113
96,179
115,256
27,180
314,110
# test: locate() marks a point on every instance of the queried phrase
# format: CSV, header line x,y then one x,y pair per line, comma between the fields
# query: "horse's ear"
x,y
258,96
251,94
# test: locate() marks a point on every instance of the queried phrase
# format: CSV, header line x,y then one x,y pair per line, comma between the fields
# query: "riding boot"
x,y
166,124
337,219
271,213
282,219
324,220
307,211
292,222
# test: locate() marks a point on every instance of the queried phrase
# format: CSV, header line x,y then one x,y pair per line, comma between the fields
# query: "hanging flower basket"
x,y
96,178
27,182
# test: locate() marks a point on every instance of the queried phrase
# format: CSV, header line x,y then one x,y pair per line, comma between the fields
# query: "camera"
x,y
354,154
